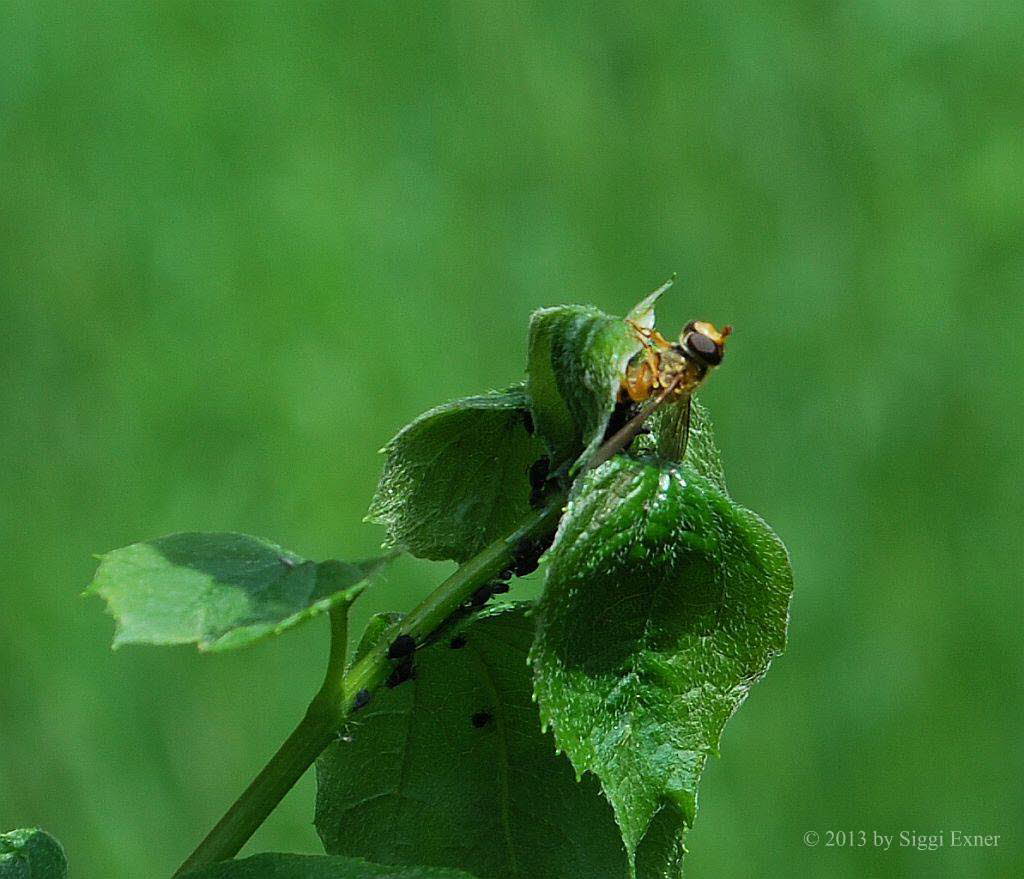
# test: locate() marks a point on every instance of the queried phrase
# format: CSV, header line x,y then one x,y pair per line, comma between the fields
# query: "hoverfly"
x,y
662,372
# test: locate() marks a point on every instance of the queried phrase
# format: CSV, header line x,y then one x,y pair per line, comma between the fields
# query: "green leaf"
x,y
31,854
577,357
457,477
219,591
664,602
451,769
271,865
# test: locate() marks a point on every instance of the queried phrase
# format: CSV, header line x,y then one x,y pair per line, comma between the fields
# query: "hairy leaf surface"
x,y
31,854
451,769
577,357
457,477
665,601
218,591
272,865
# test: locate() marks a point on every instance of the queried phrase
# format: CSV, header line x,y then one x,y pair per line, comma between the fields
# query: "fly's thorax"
x,y
680,370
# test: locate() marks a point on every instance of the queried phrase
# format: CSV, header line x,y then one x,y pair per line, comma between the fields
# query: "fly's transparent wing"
x,y
675,430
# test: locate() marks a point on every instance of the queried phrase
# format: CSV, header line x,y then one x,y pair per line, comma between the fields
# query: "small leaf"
x,y
664,602
451,769
578,355
272,865
457,477
376,628
31,854
219,591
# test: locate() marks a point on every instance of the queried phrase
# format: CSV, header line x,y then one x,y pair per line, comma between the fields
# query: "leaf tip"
x,y
643,311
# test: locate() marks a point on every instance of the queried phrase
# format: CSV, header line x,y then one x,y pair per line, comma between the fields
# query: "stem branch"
x,y
334,701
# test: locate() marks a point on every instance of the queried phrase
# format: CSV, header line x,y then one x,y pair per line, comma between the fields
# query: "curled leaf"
x,y
577,357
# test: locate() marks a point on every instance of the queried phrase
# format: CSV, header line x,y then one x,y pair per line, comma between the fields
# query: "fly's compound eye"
x,y
705,348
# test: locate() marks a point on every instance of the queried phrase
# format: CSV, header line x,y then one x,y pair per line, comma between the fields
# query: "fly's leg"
x,y
648,335
638,382
653,365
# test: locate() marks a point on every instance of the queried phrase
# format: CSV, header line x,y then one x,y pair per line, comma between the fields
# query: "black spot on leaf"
x,y
402,646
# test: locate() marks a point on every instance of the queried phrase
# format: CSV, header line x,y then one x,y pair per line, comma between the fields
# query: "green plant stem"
x,y
334,701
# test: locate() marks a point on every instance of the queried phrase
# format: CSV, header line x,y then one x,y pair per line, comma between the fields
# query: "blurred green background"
x,y
241,244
